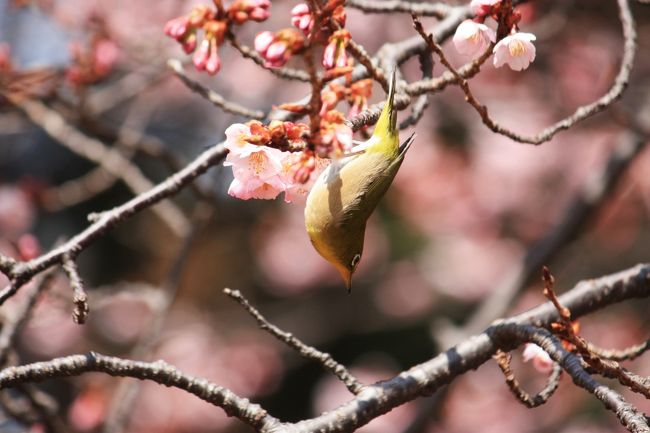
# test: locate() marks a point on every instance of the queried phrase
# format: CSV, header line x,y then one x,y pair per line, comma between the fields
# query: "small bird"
x,y
349,189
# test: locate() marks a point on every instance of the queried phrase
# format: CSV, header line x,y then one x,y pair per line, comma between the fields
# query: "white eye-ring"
x,y
355,260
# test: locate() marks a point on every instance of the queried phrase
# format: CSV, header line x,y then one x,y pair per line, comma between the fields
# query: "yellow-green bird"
x,y
348,191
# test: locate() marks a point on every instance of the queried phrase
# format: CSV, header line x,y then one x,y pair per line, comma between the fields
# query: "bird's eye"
x,y
355,260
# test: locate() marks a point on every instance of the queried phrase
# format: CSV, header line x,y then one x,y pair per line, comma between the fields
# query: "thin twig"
x,y
631,418
439,10
362,57
284,72
79,298
614,93
503,361
216,99
422,102
325,359
21,313
627,354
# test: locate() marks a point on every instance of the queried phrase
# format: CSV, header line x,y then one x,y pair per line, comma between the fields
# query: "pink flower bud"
x,y
335,54
275,51
200,58
277,48
259,14
213,64
472,39
263,40
259,11
301,17
516,50
177,27
243,10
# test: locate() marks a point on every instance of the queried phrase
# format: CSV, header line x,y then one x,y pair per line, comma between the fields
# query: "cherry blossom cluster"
x,y
282,156
214,22
261,169
473,36
277,48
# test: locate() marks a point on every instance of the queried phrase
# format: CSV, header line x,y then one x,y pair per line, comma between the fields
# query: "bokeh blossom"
x,y
472,39
516,50
92,63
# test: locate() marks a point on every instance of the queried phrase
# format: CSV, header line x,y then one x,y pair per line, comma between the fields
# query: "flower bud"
x,y
301,17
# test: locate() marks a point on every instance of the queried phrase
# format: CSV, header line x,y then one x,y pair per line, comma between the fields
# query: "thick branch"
x,y
420,380
159,372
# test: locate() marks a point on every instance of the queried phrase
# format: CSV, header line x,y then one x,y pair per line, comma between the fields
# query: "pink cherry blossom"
x,y
481,8
517,50
236,143
258,170
260,162
472,39
541,360
301,17
255,188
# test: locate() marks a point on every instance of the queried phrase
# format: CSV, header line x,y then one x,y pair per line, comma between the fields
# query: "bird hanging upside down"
x,y
348,191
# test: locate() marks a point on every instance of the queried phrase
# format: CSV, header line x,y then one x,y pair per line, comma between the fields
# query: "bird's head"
x,y
343,251
346,266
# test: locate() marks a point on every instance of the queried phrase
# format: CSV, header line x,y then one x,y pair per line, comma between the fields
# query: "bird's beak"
x,y
347,278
